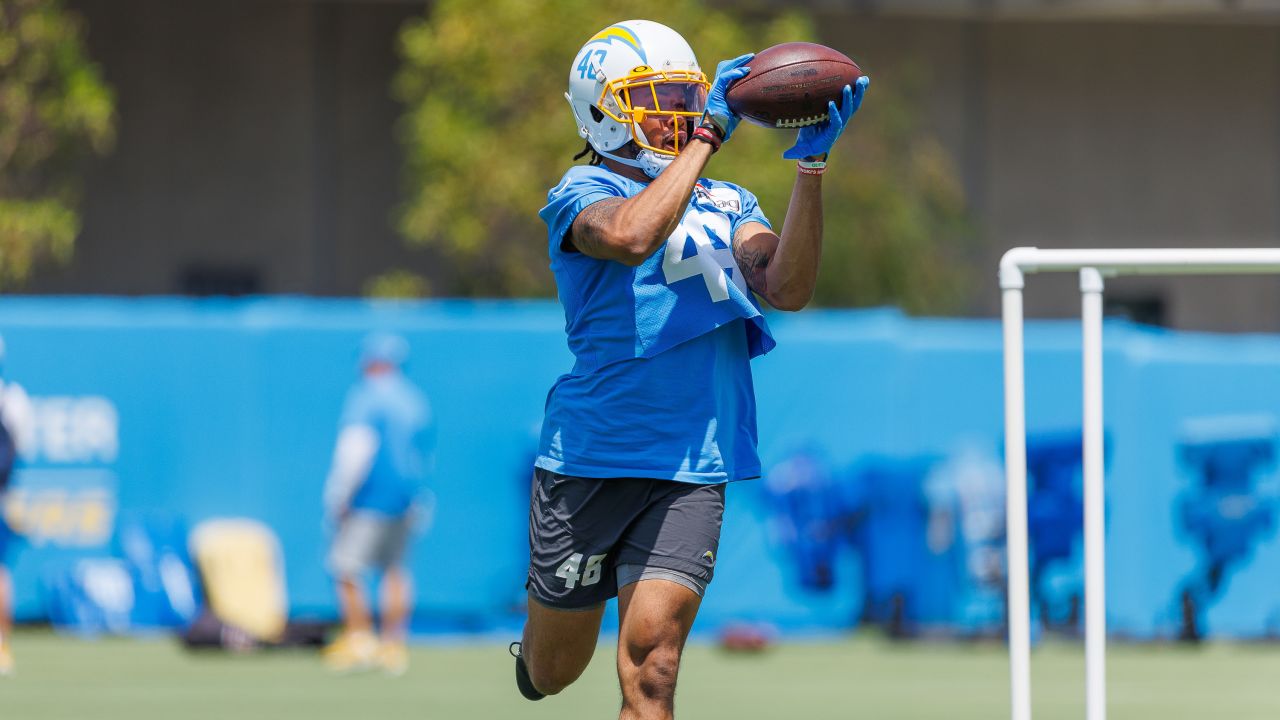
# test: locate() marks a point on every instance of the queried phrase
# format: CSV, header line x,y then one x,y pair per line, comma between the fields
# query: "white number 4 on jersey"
x,y
715,264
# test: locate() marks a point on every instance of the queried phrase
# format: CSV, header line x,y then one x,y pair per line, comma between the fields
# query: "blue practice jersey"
x,y
400,416
661,383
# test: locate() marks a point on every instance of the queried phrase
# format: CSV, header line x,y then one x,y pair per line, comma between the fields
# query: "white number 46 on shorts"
x,y
572,570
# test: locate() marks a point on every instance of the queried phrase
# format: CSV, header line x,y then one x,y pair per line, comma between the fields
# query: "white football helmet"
x,y
629,72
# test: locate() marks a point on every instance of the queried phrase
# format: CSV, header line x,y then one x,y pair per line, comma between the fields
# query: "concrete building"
x,y
256,147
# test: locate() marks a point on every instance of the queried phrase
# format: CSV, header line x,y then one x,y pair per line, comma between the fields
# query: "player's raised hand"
x,y
816,140
717,112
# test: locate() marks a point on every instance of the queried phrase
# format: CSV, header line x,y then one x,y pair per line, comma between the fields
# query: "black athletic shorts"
x,y
582,529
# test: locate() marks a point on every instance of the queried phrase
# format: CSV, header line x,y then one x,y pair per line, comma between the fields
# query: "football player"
x,y
658,269
371,496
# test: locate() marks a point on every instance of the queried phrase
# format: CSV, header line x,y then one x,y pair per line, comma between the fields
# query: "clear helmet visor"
x,y
661,108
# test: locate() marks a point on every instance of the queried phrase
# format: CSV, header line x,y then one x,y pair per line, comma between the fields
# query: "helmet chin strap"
x,y
650,163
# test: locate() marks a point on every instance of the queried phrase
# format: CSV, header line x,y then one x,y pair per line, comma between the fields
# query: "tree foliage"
x,y
54,108
397,285
487,131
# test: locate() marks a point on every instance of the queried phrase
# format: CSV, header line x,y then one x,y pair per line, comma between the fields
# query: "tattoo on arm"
x,y
752,261
585,234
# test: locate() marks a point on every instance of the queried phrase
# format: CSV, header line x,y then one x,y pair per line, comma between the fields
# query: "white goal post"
x,y
1093,266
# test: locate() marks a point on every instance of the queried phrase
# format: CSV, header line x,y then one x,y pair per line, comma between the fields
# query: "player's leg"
x,y
353,605
655,616
356,647
349,561
574,524
396,595
557,645
664,564
396,598
396,591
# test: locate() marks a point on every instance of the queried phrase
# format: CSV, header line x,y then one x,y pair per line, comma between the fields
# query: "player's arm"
x,y
784,269
353,457
629,230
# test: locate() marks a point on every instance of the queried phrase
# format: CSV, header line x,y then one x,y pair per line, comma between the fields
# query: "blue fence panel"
x,y
202,409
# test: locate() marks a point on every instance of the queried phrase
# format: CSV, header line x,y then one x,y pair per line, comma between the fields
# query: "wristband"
x,y
708,136
811,168
710,123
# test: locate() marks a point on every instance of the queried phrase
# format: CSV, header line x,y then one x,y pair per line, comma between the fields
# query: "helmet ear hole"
x,y
596,115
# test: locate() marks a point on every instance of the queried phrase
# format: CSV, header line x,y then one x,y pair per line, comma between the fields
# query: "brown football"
x,y
790,85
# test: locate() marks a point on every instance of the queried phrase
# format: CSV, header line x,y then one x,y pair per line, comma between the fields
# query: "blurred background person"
x,y
17,423
1227,510
379,465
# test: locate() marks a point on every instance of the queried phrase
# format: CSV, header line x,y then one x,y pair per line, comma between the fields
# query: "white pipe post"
x,y
1092,264
1015,449
1095,636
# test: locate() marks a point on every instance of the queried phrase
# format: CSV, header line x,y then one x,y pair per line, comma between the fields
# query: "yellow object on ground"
x,y
242,569
393,658
352,651
7,666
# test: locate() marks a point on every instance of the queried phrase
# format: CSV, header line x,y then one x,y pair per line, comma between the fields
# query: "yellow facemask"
x,y
645,94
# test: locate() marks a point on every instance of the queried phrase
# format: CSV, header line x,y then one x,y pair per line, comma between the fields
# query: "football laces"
x,y
801,121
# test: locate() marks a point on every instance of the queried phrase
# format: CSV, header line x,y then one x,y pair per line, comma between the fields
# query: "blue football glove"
x,y
717,112
817,139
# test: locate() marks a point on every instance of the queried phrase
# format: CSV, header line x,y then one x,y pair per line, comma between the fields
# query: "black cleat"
x,y
523,683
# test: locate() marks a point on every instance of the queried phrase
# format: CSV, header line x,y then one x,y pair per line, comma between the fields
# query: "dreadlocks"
x,y
595,156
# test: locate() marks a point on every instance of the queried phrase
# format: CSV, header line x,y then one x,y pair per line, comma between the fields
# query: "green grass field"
x,y
64,679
